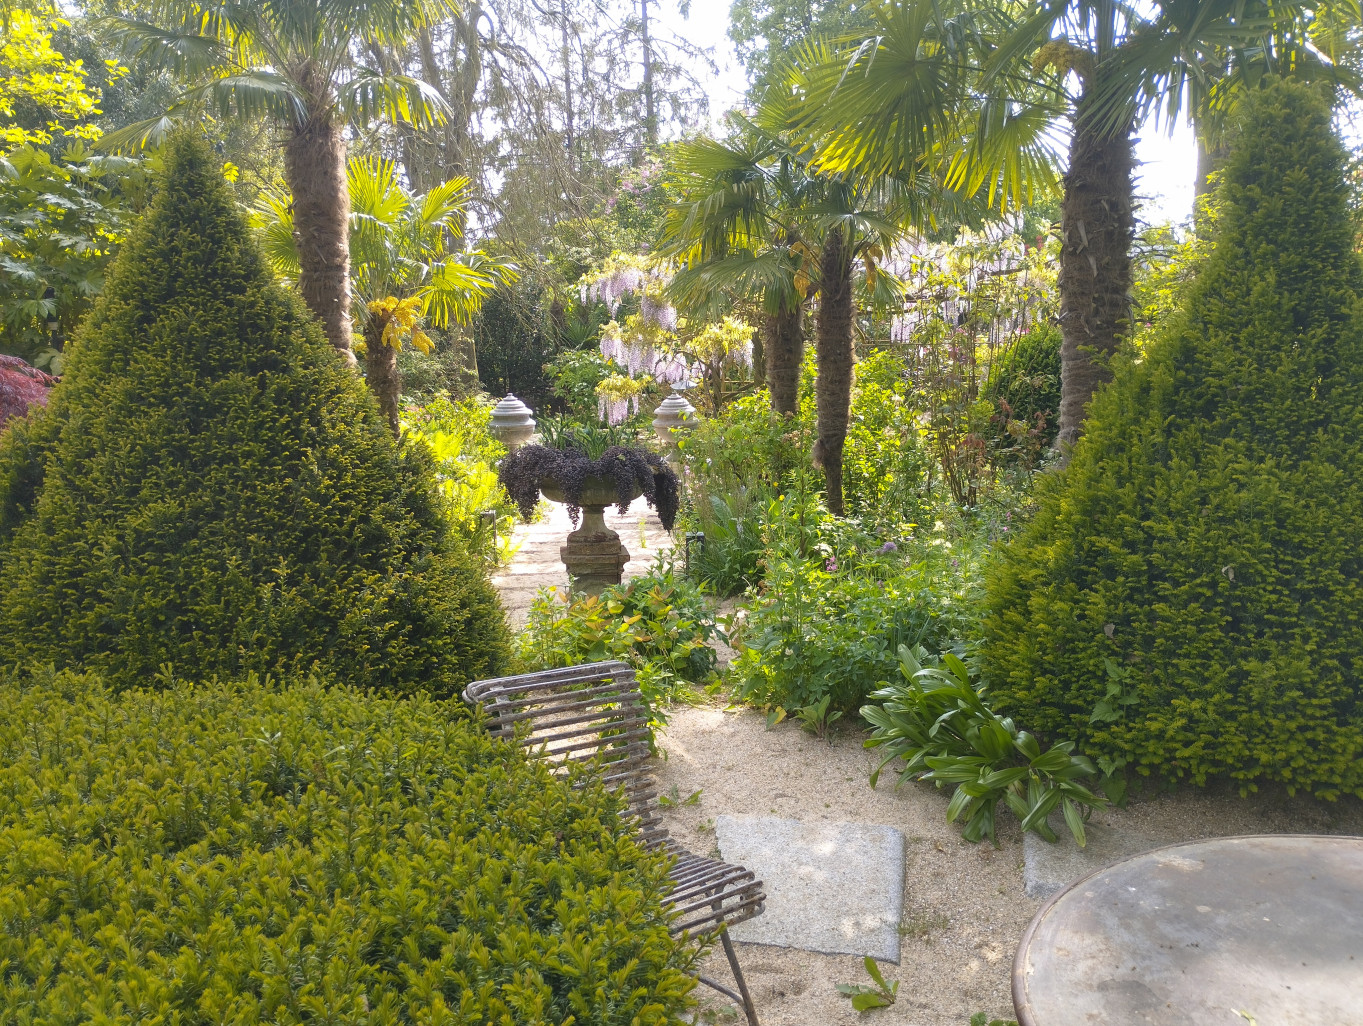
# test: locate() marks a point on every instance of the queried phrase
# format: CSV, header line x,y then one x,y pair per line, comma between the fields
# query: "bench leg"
x,y
738,977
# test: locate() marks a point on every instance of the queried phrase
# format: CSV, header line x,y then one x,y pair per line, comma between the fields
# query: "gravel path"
x,y
964,904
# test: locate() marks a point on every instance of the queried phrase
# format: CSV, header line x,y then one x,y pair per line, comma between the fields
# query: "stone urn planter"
x,y
593,553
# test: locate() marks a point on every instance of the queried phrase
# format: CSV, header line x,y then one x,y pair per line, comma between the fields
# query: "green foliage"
x,y
864,998
1024,387
940,725
252,854
1204,539
210,488
61,220
726,561
659,623
575,375
981,1019
884,466
834,608
590,438
43,94
465,456
515,342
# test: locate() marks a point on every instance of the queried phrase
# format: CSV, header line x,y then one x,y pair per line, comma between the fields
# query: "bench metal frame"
x,y
594,714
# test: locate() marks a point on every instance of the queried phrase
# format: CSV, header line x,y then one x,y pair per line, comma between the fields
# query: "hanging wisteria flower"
x,y
621,275
616,395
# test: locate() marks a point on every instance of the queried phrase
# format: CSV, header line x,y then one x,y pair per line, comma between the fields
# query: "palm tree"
x,y
755,218
403,264
292,61
884,106
737,231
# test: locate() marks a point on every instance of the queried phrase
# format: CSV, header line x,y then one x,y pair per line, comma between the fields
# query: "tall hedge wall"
x,y
252,854
1189,597
210,488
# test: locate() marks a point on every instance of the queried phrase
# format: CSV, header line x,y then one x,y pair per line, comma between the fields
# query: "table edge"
x,y
1021,1005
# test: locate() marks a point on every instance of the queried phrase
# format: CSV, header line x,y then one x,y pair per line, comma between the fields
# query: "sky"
x,y
1168,164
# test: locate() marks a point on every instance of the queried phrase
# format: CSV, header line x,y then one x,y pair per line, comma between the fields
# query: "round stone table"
x,y
1198,933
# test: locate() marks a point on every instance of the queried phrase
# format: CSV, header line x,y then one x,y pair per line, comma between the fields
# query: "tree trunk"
x,y
650,114
1095,263
759,356
314,164
833,388
785,351
381,371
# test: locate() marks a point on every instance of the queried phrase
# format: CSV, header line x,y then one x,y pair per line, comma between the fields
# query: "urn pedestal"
x,y
594,556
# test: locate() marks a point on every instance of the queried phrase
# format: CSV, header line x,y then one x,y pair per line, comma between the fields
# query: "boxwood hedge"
x,y
251,853
210,487
1189,595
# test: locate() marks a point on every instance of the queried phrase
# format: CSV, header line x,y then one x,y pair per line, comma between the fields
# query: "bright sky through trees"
x,y
1168,163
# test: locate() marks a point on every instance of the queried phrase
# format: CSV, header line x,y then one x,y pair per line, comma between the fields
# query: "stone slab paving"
x,y
1048,867
537,564
835,888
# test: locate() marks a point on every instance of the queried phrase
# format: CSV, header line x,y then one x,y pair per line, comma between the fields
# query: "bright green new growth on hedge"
x,y
220,854
210,488
1189,596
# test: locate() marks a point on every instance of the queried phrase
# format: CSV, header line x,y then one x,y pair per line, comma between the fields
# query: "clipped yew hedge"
x,y
242,854
1188,599
210,487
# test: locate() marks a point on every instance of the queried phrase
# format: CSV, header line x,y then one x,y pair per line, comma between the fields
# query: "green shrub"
x,y
210,487
834,608
659,623
1189,595
257,854
1024,386
937,721
465,456
884,467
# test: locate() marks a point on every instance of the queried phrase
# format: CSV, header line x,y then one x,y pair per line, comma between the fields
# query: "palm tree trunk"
x,y
314,164
833,389
381,371
1095,262
784,347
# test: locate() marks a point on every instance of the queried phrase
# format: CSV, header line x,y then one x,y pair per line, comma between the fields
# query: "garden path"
x,y
537,565
965,906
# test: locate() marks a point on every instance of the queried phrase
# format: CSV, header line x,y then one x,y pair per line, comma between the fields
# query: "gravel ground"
x,y
964,906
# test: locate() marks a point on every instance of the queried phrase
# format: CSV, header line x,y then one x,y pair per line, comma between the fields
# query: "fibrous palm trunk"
x,y
784,348
1095,262
314,164
381,371
833,389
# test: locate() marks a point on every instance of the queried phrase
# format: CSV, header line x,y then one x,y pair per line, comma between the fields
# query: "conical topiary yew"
x,y
210,488
1189,597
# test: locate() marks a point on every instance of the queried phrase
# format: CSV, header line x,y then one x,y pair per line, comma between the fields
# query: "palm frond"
x,y
253,94
140,135
184,50
272,219
455,291
369,95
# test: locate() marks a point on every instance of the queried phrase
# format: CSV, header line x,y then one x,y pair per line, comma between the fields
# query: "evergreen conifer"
x,y
1189,596
210,488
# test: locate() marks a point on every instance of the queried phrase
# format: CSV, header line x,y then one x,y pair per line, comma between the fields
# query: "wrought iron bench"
x,y
595,714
